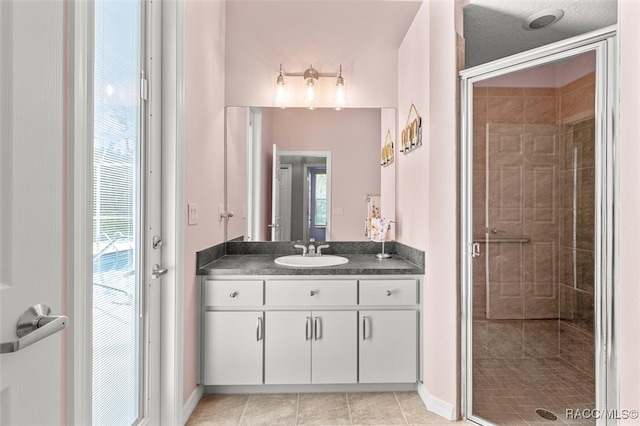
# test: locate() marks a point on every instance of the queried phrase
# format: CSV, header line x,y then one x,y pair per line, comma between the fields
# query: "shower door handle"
x,y
474,249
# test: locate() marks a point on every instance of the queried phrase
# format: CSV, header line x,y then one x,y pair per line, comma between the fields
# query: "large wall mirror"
x,y
298,174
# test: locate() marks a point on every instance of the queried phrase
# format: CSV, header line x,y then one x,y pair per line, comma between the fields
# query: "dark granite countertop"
x,y
263,264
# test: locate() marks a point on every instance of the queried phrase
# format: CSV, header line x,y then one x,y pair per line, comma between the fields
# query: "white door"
x,y
127,242
33,185
233,348
388,347
276,214
287,340
334,351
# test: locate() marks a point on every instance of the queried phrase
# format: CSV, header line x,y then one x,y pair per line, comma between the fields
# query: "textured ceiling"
x,y
493,28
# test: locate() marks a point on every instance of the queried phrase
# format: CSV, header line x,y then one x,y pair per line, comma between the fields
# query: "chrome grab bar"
x,y
525,239
34,325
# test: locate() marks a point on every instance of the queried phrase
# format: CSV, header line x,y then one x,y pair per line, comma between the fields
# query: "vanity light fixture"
x,y
310,77
281,93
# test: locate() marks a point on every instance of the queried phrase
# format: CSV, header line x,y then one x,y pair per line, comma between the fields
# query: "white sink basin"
x,y
311,261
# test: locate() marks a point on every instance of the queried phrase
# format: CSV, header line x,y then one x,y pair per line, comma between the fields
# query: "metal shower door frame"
x,y
605,45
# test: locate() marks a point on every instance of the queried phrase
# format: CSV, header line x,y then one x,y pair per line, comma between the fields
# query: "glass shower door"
x,y
530,285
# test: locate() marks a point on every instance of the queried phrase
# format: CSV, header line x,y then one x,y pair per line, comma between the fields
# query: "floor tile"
x,y
323,409
271,409
214,410
414,410
375,408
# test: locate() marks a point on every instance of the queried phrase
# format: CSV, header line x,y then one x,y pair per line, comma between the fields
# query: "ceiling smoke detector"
x,y
542,19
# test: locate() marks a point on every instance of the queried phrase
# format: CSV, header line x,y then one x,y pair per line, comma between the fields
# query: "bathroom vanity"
x,y
268,327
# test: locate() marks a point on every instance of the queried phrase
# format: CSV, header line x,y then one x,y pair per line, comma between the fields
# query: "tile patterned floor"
x,y
326,409
508,391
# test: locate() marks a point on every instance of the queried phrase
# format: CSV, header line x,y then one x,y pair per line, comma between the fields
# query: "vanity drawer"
x,y
233,293
311,292
388,292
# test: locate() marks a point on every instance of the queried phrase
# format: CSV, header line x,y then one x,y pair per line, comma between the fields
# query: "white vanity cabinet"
x,y
388,346
303,347
310,330
233,346
311,346
388,331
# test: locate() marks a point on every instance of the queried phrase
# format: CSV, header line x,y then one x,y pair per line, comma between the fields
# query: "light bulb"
x,y
340,94
281,94
310,91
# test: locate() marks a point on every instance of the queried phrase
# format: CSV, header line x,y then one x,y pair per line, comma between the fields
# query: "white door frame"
x,y
80,213
327,155
604,43
173,216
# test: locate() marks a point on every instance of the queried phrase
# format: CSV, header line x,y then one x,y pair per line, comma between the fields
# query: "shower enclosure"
x,y
536,215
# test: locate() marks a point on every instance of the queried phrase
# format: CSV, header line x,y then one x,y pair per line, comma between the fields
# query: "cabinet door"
x,y
334,353
388,346
288,347
233,348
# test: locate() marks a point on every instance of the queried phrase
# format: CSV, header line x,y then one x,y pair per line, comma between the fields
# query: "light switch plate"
x,y
192,215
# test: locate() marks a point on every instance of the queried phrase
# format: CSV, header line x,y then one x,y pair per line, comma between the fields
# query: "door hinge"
x,y
144,88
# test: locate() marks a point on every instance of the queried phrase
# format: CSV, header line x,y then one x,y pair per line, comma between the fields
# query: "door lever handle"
x,y
34,325
156,272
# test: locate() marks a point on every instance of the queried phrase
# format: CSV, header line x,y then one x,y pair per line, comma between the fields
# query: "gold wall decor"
x,y
387,155
412,132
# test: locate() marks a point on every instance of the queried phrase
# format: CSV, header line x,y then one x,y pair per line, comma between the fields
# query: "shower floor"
x,y
519,367
508,391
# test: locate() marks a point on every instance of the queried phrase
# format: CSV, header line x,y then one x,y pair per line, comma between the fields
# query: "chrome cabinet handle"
x,y
307,329
312,293
317,330
233,295
259,334
34,325
156,272
388,292
364,328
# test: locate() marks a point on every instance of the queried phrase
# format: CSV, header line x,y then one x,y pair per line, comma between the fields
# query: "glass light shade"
x,y
341,93
310,93
281,93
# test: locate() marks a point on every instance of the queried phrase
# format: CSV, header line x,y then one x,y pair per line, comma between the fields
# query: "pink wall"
x,y
427,192
353,137
426,182
629,209
252,67
204,162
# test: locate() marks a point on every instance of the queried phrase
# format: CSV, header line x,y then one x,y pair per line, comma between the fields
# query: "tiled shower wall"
x,y
569,110
577,178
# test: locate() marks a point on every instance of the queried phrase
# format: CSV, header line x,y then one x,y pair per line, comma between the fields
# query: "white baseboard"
x,y
436,405
191,403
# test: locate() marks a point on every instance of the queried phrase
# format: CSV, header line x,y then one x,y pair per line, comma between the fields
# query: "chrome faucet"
x,y
312,250
319,248
304,249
